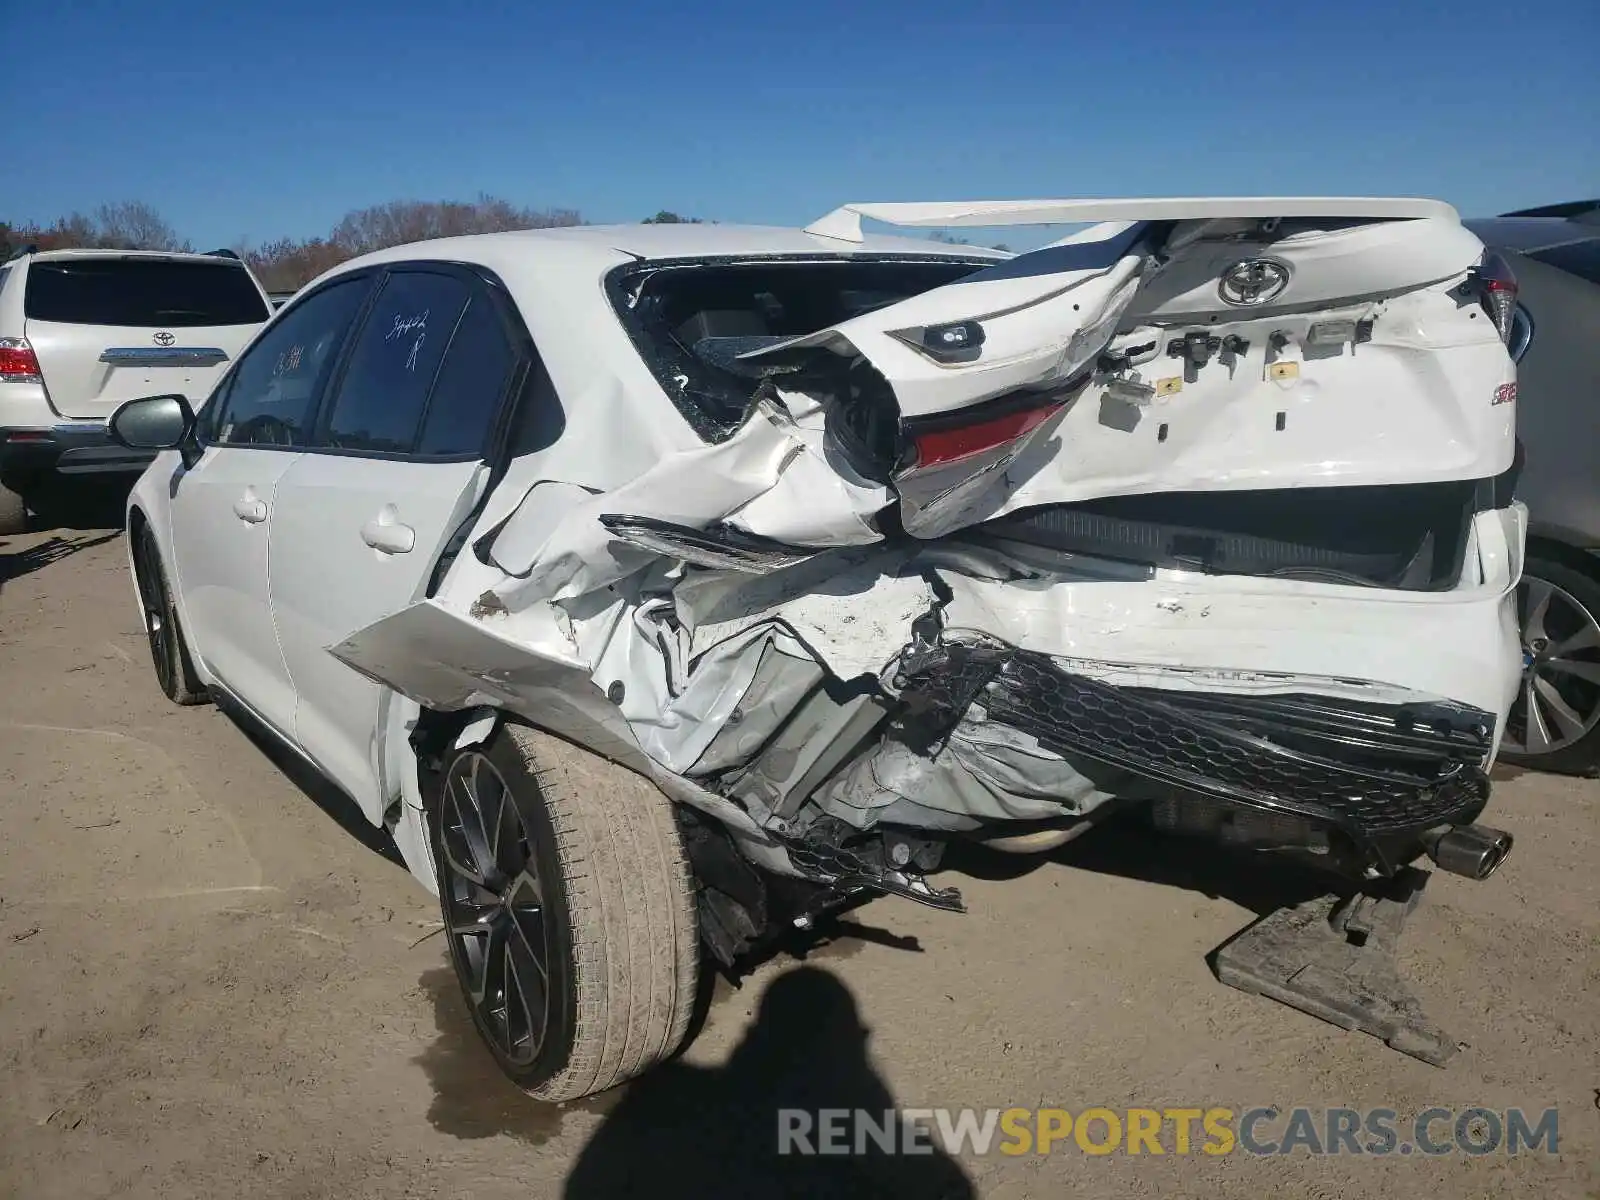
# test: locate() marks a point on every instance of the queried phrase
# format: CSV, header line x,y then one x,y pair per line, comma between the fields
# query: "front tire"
x,y
568,910
169,650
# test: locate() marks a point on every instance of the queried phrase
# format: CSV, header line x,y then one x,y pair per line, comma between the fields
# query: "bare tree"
x,y
135,225
70,232
288,263
402,221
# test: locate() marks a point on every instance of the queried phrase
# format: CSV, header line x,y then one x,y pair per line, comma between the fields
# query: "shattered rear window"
x,y
689,319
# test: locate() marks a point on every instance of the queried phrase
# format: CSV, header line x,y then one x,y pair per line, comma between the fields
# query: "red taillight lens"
x,y
1497,291
18,363
964,441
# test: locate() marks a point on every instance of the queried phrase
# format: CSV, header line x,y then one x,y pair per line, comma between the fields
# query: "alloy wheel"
x,y
1559,702
494,907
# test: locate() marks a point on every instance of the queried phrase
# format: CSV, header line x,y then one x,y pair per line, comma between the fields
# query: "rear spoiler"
x,y
844,223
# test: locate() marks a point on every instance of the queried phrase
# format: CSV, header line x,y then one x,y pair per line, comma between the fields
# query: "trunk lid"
x,y
1180,345
107,329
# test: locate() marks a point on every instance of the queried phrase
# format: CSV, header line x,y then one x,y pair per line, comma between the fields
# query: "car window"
x,y
272,394
143,293
689,322
466,396
381,398
1576,258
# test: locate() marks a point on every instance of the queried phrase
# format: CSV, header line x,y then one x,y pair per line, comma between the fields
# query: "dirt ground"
x,y
209,988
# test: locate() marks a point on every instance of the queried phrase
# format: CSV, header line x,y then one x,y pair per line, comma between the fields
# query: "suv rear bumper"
x,y
73,448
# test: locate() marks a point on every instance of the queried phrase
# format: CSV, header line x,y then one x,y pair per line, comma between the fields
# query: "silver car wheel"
x,y
1560,698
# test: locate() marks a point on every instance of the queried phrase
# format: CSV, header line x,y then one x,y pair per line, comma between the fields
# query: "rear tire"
x,y
569,911
169,649
13,511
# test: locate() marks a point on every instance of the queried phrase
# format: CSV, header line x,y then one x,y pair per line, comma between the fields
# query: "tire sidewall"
x,y
560,1030
154,576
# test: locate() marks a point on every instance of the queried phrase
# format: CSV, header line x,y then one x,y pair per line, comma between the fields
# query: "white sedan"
x,y
662,587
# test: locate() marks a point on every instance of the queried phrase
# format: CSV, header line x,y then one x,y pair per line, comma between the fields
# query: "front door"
x,y
223,507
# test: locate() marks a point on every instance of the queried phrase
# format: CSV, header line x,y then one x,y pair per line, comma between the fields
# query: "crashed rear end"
x,y
1202,514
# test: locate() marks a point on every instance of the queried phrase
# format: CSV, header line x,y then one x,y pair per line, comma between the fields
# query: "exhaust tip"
x,y
1475,851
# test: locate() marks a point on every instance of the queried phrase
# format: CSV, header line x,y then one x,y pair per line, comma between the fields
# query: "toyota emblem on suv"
x,y
1253,281
163,338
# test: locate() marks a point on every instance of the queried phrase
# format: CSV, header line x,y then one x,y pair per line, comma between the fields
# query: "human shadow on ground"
x,y
713,1132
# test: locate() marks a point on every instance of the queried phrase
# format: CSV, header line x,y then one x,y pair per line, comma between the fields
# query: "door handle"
x,y
390,537
250,511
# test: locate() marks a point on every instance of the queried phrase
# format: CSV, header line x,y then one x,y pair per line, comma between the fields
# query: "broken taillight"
x,y
18,363
953,443
1497,292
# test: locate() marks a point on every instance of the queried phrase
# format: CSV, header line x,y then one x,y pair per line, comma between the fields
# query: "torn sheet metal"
x,y
819,499
555,546
853,609
448,662
445,660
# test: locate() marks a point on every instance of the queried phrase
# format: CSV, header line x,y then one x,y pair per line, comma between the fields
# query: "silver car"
x,y
1555,253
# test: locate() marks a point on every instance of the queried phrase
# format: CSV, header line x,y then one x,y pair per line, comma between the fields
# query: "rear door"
x,y
110,328
361,519
222,507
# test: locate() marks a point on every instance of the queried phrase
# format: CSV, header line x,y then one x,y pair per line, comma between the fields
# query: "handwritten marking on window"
x,y
288,360
405,327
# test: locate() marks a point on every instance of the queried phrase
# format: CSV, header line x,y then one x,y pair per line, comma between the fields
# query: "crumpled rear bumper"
x,y
1247,769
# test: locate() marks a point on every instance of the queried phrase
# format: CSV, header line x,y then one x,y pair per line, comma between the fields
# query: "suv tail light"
x,y
1497,292
18,362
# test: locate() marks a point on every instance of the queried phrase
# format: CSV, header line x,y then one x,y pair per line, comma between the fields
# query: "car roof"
x,y
603,246
1525,234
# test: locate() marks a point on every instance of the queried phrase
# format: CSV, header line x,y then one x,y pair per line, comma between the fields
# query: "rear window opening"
x,y
689,320
143,293
1408,537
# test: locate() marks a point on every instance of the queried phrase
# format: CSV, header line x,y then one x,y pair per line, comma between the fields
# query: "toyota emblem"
x,y
1253,281
163,338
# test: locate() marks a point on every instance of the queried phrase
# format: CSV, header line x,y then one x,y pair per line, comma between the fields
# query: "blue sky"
x,y
249,121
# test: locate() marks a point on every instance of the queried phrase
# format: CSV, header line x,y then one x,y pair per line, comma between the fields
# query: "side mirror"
x,y
152,423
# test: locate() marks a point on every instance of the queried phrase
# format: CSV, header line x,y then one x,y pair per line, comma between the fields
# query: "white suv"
x,y
83,330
